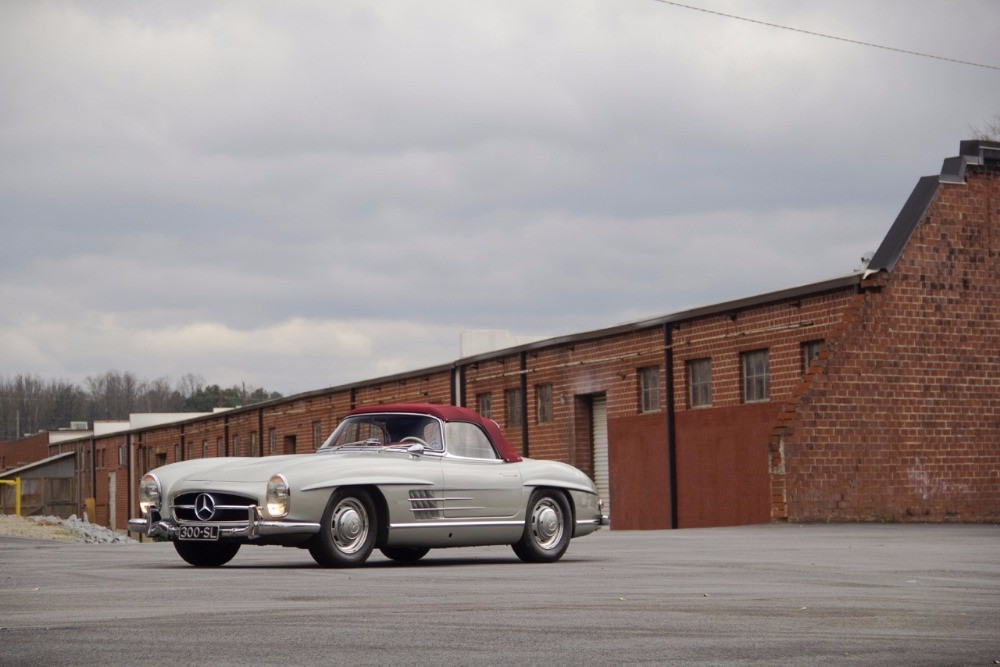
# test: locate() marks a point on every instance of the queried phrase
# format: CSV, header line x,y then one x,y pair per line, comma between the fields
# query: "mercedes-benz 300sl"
x,y
403,479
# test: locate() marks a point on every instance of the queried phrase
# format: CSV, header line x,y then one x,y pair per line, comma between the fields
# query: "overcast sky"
x,y
298,195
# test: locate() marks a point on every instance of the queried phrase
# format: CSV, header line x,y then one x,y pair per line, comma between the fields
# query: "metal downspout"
x,y
668,358
93,476
458,386
524,404
260,431
130,467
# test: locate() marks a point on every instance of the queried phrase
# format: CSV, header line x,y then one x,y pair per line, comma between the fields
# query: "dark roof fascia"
x,y
812,289
975,152
36,464
911,214
971,153
398,377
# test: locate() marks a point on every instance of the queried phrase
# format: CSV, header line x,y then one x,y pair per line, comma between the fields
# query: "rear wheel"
x,y
206,554
404,554
548,528
348,531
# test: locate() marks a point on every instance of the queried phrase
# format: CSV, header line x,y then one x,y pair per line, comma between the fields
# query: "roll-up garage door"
x,y
599,448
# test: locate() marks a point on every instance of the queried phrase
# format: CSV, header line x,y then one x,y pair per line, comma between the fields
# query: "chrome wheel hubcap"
x,y
547,523
350,525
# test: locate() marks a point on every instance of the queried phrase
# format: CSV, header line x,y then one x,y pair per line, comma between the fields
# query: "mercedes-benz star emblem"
x,y
204,507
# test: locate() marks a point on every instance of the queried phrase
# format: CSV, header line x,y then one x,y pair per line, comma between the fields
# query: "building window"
x,y
810,350
649,389
272,441
543,403
317,434
289,444
756,376
484,405
177,452
699,378
236,445
512,405
253,443
204,449
219,447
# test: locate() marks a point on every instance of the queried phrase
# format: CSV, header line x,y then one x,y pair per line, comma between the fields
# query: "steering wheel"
x,y
413,438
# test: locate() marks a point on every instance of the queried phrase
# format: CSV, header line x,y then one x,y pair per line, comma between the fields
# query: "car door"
x,y
414,492
478,484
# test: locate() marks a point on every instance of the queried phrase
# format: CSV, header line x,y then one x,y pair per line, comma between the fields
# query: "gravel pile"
x,y
54,528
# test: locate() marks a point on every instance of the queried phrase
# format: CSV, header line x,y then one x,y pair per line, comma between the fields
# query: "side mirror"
x,y
416,449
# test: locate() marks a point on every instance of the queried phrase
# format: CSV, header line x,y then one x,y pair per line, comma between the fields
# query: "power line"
x,y
825,36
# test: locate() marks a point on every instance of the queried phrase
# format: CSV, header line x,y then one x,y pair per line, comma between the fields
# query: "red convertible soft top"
x,y
450,413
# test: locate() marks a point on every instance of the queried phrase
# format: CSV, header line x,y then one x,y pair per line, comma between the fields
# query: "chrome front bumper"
x,y
255,527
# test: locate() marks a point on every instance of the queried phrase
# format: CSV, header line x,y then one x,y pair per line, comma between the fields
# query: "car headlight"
x,y
149,493
277,497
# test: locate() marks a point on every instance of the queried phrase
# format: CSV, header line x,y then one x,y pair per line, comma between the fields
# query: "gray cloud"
x,y
301,195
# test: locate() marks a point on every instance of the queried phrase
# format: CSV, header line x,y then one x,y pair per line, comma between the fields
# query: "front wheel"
x,y
548,528
348,531
206,554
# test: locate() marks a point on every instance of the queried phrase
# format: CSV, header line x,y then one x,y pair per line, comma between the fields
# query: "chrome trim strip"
x,y
436,499
217,507
455,524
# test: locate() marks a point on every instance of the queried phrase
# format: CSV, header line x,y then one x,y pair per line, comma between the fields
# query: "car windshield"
x,y
383,430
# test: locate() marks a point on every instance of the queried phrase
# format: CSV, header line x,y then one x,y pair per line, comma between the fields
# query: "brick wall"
x,y
722,449
294,419
110,468
904,422
433,387
495,377
202,438
17,453
604,365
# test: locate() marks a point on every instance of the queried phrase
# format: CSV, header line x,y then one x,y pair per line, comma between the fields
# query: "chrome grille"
x,y
228,506
425,505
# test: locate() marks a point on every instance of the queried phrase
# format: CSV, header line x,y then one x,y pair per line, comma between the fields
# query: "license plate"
x,y
197,532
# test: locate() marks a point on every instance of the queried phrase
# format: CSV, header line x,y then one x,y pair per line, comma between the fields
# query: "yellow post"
x,y
16,483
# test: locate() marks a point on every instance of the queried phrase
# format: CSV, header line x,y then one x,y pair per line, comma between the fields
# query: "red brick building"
x,y
871,397
21,452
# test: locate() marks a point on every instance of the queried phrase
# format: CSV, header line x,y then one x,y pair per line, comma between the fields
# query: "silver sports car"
x,y
401,478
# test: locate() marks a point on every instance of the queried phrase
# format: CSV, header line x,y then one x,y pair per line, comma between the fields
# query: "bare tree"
x,y
29,404
190,384
989,132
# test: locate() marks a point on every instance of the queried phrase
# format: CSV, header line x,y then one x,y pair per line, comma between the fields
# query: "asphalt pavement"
x,y
858,594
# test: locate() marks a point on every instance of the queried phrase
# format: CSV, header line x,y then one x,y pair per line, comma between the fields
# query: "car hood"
x,y
261,469
246,469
